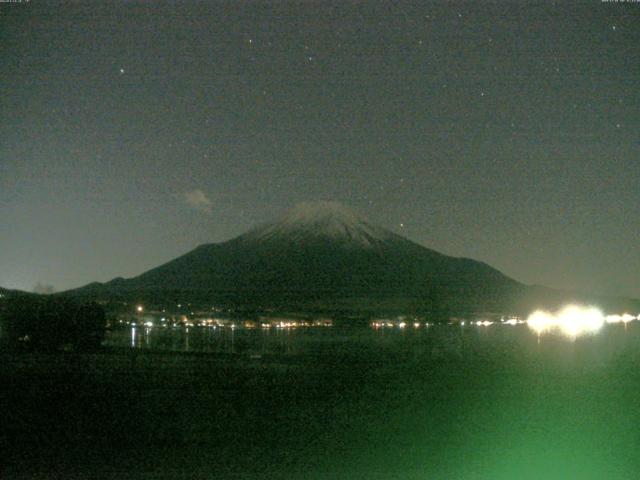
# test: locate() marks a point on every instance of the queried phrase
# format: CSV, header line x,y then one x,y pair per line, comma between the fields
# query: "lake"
x,y
409,342
438,402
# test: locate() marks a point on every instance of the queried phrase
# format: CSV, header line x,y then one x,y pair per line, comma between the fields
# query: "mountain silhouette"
x,y
323,256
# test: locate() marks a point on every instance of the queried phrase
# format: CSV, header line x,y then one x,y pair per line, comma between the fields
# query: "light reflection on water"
x,y
227,340
436,342
481,401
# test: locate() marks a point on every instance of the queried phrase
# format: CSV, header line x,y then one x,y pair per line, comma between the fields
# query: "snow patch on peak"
x,y
328,220
312,212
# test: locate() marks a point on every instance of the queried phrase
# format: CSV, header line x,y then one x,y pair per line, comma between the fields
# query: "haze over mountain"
x,y
323,256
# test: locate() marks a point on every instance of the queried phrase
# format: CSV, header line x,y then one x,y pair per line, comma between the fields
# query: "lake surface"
x,y
409,342
443,402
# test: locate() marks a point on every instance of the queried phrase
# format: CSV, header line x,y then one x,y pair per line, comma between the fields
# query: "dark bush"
x,y
51,323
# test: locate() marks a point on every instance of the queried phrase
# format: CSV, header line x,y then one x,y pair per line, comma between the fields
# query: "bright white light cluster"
x,y
625,318
484,323
512,321
572,321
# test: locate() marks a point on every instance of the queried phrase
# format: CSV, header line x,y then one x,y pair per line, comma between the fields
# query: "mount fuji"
x,y
325,257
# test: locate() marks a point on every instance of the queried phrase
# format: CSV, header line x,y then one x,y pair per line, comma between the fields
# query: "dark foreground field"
x,y
499,413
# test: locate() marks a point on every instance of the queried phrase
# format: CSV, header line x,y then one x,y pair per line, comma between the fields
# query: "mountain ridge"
x,y
325,256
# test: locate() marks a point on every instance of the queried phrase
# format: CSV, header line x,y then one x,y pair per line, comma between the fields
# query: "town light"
x,y
572,321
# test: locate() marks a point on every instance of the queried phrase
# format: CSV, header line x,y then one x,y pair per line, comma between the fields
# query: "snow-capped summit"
x,y
322,220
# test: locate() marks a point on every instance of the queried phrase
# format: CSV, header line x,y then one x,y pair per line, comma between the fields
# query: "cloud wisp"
x,y
198,200
44,289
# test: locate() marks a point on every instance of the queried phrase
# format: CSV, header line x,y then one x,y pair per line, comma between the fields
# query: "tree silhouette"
x,y
48,323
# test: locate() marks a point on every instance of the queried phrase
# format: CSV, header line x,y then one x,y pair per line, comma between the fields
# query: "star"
x,y
121,71
613,27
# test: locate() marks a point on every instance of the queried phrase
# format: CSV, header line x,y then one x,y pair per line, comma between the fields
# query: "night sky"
x,y
508,132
